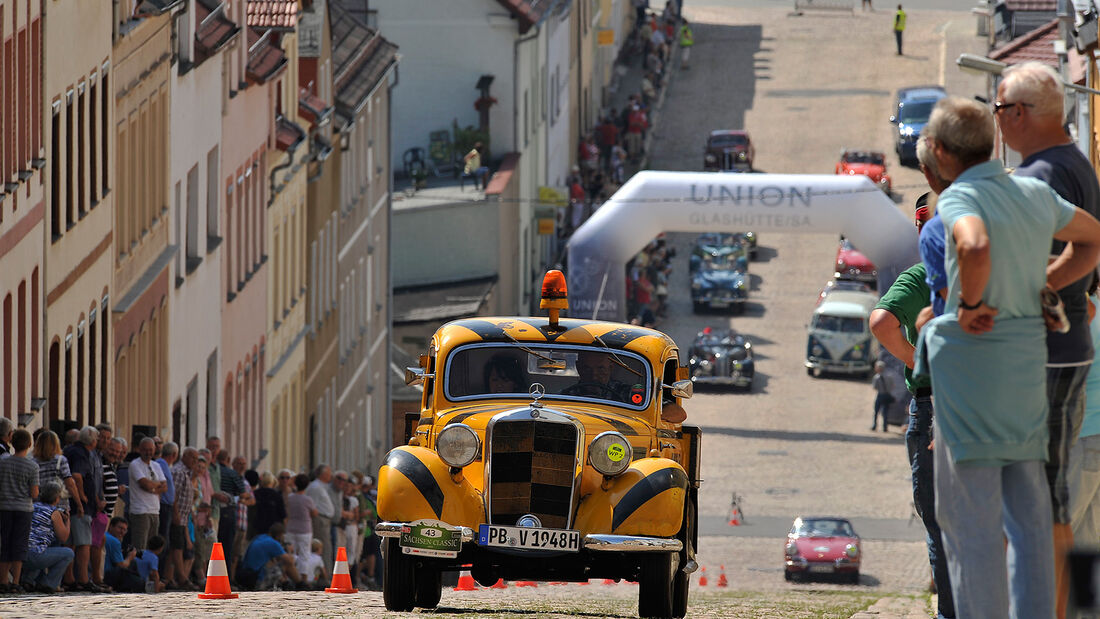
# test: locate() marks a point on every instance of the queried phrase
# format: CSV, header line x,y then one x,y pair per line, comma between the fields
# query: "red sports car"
x,y
852,265
871,164
827,546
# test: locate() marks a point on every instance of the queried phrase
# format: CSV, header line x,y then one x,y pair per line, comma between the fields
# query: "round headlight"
x,y
818,350
857,354
852,551
457,445
792,549
710,158
609,453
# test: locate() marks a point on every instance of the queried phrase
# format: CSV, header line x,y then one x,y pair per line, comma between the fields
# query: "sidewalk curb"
x,y
896,608
656,115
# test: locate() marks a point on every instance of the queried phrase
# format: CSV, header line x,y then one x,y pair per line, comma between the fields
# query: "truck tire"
x,y
398,578
429,587
655,586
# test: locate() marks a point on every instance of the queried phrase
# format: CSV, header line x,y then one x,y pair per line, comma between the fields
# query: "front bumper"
x,y
838,566
740,380
718,301
594,542
840,367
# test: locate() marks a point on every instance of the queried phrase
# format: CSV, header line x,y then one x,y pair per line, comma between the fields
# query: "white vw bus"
x,y
839,338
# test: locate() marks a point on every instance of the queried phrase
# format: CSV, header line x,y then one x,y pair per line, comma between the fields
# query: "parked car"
x,y
839,337
822,546
869,163
851,264
722,357
719,283
833,285
728,149
540,453
718,246
913,108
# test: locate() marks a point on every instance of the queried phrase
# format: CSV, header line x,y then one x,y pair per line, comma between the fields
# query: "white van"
x,y
839,338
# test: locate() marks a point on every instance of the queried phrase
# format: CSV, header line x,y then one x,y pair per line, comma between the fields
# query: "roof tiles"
x,y
1037,45
282,14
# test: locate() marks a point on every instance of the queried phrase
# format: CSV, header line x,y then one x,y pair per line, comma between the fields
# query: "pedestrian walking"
x,y
899,26
985,356
1029,110
687,40
883,396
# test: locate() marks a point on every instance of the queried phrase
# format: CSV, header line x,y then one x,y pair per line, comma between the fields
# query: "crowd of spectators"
x,y
92,513
647,276
999,350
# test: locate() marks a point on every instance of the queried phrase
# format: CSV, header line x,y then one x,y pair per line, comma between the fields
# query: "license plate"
x,y
430,540
719,303
821,569
527,538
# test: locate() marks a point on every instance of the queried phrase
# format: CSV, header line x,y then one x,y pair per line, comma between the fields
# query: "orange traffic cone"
x,y
722,582
526,583
499,584
735,516
217,577
703,578
466,582
341,577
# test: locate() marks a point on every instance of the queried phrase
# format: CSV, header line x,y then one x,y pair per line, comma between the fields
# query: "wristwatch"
x,y
966,306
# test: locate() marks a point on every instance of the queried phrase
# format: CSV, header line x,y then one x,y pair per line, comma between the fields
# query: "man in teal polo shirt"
x,y
987,356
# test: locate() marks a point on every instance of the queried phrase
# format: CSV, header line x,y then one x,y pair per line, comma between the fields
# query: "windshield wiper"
x,y
528,350
616,358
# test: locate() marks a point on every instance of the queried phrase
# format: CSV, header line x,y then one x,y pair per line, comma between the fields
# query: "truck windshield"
x,y
578,373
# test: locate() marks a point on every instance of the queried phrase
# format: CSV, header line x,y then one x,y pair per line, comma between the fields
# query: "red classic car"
x,y
871,164
728,150
852,265
825,546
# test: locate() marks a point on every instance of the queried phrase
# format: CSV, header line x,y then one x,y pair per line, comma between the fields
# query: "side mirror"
x,y
683,388
416,376
893,120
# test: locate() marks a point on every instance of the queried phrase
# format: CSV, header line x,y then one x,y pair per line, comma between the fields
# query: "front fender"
x,y
648,499
414,483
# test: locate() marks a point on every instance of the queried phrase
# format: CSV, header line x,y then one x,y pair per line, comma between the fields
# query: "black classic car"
x,y
722,357
719,272
728,150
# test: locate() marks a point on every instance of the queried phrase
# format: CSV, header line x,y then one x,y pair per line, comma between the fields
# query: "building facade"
x,y
351,418
22,213
204,36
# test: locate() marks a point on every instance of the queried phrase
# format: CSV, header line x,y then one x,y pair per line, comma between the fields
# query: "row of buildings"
x,y
198,233
194,222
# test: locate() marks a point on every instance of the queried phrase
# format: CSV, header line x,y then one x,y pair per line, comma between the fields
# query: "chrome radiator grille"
x,y
531,468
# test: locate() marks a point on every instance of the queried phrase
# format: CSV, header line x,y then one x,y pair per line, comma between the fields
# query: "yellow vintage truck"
x,y
545,449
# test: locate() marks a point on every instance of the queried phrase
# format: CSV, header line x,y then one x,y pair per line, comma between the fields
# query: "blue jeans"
x,y
978,507
47,567
917,439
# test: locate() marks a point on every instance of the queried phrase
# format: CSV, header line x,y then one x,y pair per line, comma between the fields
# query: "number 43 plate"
x,y
529,538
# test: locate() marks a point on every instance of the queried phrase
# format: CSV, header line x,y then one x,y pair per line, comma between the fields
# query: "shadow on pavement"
x,y
795,435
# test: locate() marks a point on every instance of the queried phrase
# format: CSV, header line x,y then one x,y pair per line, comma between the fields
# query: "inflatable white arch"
x,y
652,202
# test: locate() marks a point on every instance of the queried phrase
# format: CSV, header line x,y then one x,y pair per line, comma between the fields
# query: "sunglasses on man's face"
x,y
1001,105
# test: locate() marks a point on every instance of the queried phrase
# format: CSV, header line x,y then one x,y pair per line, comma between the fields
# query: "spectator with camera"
x,y
47,560
267,564
120,569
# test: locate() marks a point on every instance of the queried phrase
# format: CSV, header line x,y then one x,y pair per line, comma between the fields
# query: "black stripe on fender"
x,y
620,426
655,483
412,468
459,418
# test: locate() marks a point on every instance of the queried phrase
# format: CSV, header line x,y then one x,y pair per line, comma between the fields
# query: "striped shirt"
x,y
42,532
110,487
54,469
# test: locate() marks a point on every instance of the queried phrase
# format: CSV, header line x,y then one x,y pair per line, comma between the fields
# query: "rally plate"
x,y
560,540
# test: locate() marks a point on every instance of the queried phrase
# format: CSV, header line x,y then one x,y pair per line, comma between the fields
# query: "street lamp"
x,y
980,64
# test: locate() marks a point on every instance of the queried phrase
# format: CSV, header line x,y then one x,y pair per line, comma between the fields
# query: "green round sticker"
x,y
616,452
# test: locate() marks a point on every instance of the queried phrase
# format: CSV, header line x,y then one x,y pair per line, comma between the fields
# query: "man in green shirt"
x,y
898,309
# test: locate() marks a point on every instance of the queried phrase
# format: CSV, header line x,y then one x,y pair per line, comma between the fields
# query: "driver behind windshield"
x,y
503,375
595,379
